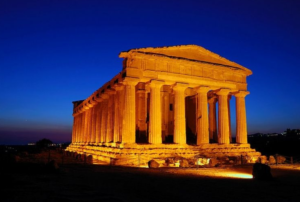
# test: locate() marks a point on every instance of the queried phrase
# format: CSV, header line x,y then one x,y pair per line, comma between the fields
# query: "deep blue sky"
x,y
55,52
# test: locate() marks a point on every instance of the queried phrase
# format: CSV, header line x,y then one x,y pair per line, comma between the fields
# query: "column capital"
x,y
241,93
180,86
212,100
110,91
118,87
130,81
156,83
203,89
93,101
86,106
223,91
104,96
98,98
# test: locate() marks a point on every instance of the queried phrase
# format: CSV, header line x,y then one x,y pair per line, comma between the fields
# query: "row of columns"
x,y
112,117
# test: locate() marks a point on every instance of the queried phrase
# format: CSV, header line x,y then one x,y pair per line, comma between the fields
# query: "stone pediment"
x,y
192,53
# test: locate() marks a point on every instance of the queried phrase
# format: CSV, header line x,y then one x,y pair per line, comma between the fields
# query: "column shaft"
x,y
165,114
74,129
104,119
202,116
179,114
89,128
213,135
229,118
117,120
155,113
128,126
121,112
98,122
109,131
241,123
84,122
223,122
141,111
93,124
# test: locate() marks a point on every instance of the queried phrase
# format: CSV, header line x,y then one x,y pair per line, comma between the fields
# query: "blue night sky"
x,y
55,52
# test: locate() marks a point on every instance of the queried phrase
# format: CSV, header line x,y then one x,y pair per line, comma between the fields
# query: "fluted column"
x,y
88,125
74,129
229,118
79,127
128,126
121,111
84,122
165,114
82,127
213,134
93,122
155,112
223,122
104,111
117,113
109,131
179,113
202,116
241,123
141,110
98,122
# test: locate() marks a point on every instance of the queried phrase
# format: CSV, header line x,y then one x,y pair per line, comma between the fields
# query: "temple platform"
x,y
141,154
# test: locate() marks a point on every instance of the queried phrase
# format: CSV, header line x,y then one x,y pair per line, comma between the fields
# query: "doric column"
x,y
81,127
109,131
223,122
202,116
128,126
74,130
179,113
165,114
98,122
93,122
213,134
241,123
117,113
84,123
121,111
229,118
155,112
141,110
104,117
89,118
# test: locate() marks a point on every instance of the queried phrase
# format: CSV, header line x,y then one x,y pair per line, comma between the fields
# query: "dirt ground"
x,y
31,180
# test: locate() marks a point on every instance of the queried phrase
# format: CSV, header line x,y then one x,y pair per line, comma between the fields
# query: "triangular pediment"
x,y
188,52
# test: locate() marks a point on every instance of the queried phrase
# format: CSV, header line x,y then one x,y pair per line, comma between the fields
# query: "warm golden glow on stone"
x,y
163,99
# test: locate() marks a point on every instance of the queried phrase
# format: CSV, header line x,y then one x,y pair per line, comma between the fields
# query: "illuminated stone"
x,y
161,98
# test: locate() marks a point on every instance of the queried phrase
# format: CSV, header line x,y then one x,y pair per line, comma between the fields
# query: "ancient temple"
x,y
166,102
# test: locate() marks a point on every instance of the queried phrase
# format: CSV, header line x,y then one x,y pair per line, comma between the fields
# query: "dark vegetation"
x,y
288,145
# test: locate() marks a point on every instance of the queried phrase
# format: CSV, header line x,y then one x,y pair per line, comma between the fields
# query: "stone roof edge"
x,y
124,54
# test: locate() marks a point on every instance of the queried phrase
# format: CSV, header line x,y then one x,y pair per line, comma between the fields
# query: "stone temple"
x,y
166,102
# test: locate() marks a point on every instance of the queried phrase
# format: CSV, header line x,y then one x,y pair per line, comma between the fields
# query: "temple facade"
x,y
166,101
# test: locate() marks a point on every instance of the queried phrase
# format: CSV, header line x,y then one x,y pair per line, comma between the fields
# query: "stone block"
x,y
184,163
263,159
281,159
213,162
272,160
153,164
